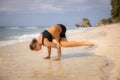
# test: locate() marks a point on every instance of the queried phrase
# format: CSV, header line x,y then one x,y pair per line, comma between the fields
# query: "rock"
x,y
85,23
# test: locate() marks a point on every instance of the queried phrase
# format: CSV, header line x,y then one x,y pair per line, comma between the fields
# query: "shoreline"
x,y
100,62
28,37
20,40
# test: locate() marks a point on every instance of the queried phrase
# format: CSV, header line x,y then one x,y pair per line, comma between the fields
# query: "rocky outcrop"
x,y
85,23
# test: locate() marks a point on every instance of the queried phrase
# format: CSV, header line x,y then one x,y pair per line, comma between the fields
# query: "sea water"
x,y
14,34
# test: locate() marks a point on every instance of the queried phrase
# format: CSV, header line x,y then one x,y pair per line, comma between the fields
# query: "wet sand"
x,y
101,62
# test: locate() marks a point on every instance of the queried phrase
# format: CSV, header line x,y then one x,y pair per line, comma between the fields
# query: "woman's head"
x,y
34,45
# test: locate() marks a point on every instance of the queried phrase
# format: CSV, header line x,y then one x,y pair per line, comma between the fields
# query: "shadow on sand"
x,y
67,56
84,53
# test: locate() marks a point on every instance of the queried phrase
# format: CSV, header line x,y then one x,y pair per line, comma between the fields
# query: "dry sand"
x,y
101,62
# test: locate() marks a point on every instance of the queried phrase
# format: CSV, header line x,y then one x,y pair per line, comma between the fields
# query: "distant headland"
x,y
115,16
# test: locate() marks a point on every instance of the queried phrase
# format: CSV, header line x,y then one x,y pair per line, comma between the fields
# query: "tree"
x,y
115,12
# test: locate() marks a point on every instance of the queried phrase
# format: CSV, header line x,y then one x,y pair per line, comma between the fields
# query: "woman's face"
x,y
38,47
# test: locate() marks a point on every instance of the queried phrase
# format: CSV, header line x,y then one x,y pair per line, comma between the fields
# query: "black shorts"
x,y
63,33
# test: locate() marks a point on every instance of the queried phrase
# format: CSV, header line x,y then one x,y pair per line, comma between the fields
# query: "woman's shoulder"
x,y
40,38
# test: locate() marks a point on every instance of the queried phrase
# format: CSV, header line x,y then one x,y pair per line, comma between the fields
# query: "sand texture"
x,y
100,62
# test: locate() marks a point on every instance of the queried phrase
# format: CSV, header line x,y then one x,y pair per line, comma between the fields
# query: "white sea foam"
x,y
12,27
10,42
30,27
27,37
19,27
19,39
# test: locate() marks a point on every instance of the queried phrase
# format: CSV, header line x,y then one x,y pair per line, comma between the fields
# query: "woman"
x,y
57,32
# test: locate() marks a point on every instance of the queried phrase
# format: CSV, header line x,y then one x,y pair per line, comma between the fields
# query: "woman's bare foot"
x,y
47,57
91,44
87,43
56,59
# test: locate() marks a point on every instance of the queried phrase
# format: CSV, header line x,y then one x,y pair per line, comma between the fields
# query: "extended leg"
x,y
66,43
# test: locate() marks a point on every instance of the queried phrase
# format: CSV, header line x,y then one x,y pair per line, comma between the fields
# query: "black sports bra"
x,y
46,34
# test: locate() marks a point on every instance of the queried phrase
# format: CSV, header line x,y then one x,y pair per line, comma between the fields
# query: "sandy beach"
x,y
100,62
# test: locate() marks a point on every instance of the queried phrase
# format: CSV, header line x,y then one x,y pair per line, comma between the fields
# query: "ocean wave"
x,y
17,39
20,27
10,42
27,37
9,27
31,27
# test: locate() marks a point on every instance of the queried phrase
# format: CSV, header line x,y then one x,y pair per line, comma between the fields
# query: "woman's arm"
x,y
58,53
54,45
49,44
49,53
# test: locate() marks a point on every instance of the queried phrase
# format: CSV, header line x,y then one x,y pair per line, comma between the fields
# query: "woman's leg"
x,y
65,43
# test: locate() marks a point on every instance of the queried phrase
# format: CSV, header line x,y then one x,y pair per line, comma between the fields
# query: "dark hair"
x,y
33,44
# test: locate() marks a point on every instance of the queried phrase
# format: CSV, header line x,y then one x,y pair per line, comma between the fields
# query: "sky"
x,y
49,12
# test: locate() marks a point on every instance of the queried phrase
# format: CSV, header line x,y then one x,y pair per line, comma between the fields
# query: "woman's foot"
x,y
47,57
88,43
91,44
56,59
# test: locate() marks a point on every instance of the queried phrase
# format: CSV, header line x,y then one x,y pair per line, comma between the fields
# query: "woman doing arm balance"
x,y
57,32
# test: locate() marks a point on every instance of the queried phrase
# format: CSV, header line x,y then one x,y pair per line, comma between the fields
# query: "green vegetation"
x,y
106,21
115,14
